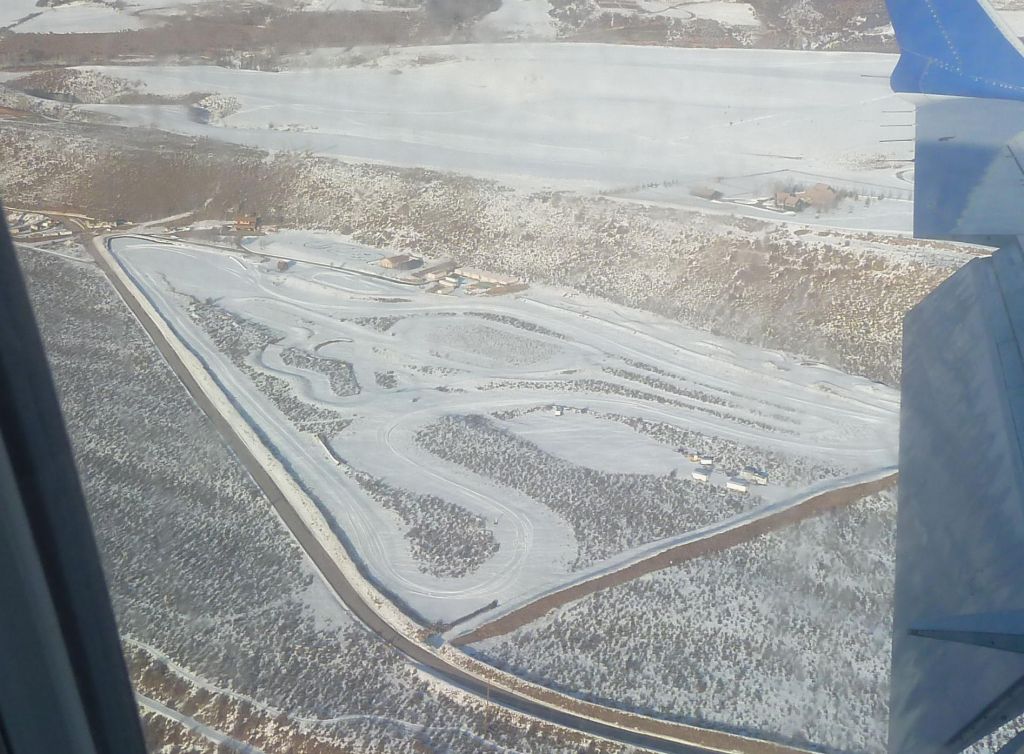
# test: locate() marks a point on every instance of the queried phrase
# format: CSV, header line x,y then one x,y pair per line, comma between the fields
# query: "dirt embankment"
x,y
674,556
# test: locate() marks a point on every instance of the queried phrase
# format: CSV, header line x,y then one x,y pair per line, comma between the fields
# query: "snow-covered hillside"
x,y
626,120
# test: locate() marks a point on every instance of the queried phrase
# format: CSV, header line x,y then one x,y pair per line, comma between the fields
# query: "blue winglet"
x,y
955,47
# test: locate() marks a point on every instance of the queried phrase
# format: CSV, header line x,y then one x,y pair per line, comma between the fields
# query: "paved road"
x,y
583,717
675,555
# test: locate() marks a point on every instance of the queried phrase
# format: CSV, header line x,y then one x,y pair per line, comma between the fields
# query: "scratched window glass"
x,y
524,375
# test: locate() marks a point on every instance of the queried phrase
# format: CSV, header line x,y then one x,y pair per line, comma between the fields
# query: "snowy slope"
x,y
725,12
518,19
13,10
83,16
515,19
80,17
77,17
593,117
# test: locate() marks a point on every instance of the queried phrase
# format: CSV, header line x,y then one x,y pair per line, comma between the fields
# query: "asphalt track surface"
x,y
621,726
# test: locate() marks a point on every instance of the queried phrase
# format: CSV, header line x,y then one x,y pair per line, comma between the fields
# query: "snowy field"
x,y
617,119
518,19
93,16
356,381
77,17
620,449
514,19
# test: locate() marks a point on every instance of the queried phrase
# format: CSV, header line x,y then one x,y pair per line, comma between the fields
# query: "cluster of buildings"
x,y
36,226
104,225
820,196
247,224
739,483
445,277
401,262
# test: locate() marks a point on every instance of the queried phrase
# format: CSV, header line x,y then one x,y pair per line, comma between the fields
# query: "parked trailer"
x,y
754,475
735,485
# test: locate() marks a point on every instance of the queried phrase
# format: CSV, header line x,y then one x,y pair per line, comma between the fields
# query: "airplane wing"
x,y
958,625
955,47
63,682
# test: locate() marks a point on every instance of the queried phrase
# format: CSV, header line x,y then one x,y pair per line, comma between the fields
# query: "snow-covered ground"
x,y
519,19
729,13
514,19
724,11
345,5
620,449
617,119
91,16
14,10
417,358
75,17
